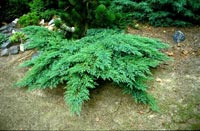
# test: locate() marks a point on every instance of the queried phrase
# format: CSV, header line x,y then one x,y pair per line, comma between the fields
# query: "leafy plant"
x,y
124,59
18,37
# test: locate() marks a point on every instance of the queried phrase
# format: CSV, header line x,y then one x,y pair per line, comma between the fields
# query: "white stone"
x,y
21,47
51,22
13,31
15,21
72,29
51,27
42,22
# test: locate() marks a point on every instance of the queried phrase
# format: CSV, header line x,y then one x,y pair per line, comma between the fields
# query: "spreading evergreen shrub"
x,y
121,58
31,18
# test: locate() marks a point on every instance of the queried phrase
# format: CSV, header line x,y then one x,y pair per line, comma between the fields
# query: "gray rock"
x,y
7,28
5,31
14,50
179,36
4,52
10,28
16,30
3,28
12,24
6,44
42,22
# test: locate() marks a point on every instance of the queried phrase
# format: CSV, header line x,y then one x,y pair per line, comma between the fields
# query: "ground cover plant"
x,y
121,58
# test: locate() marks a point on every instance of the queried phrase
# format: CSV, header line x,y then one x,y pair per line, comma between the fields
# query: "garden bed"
x,y
176,87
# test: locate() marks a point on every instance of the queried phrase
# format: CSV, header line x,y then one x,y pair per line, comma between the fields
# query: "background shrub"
x,y
31,18
160,12
11,9
107,13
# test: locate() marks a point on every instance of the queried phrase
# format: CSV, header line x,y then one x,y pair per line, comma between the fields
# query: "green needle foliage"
x,y
160,12
124,59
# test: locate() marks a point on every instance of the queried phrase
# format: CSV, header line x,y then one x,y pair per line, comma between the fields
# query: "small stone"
x,y
14,50
51,27
13,31
42,22
72,29
151,116
117,103
15,21
10,28
4,52
51,22
23,47
179,36
170,53
12,25
6,44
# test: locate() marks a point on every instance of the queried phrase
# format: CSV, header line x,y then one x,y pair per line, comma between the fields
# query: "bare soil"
x,y
176,87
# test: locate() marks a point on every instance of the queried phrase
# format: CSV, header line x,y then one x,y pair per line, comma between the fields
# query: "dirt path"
x,y
176,87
